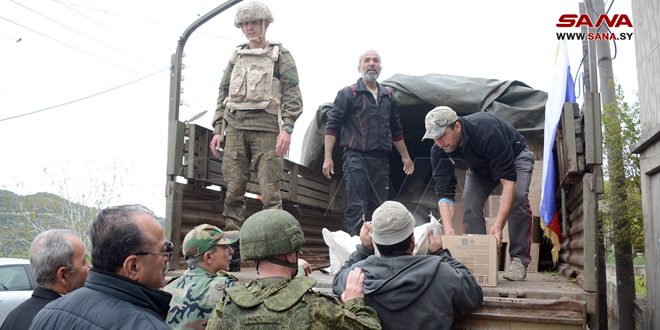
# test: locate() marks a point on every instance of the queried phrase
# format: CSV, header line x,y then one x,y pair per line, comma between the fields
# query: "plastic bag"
x,y
421,235
340,246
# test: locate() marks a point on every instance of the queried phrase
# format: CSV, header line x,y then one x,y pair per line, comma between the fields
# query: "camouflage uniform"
x,y
251,136
194,296
283,303
278,303
198,290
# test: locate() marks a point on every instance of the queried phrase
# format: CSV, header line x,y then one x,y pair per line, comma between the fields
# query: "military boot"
x,y
235,263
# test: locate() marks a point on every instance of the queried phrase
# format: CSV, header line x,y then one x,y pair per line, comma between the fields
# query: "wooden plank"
x,y
172,217
175,148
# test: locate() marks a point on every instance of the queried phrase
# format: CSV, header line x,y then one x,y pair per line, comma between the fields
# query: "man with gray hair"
x,y
409,292
365,114
130,255
58,262
195,293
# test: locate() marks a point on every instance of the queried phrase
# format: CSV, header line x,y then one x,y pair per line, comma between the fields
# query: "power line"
x,y
86,97
106,27
70,46
78,32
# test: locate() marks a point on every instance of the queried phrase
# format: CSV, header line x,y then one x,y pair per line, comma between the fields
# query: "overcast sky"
x,y
108,62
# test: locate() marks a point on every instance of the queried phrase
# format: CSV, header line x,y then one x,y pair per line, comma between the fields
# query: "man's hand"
x,y
446,211
354,285
305,266
365,238
408,165
283,142
435,242
328,168
497,231
216,141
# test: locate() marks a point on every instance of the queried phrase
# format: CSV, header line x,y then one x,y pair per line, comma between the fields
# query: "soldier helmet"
x,y
252,11
268,233
204,237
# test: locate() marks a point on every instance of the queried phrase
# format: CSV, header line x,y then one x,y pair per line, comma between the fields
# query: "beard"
x,y
370,75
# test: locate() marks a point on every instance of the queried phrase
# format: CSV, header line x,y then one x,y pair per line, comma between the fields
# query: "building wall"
x,y
647,47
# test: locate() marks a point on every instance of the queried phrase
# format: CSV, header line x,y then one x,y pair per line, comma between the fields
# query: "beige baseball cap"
x,y
437,120
391,223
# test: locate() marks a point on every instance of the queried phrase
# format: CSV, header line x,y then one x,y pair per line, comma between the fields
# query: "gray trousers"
x,y
477,191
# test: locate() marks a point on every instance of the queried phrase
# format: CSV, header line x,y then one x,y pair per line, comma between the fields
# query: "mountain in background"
x,y
23,217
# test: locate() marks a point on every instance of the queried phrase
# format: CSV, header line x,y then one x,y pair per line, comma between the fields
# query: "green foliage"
x,y
640,285
622,204
23,217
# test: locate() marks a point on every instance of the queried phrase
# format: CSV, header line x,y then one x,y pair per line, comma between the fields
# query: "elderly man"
x,y
278,299
58,261
202,286
409,292
366,115
130,257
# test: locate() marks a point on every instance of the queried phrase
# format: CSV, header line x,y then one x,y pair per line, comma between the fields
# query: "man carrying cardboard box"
x,y
414,292
495,153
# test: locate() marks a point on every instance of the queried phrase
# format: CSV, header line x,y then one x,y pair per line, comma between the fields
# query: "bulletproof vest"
x,y
253,85
284,309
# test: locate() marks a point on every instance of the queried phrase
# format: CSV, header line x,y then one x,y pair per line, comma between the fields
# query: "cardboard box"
x,y
533,266
478,253
492,206
505,231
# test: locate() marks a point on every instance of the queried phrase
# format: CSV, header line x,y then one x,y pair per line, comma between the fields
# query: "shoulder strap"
x,y
352,86
290,295
242,297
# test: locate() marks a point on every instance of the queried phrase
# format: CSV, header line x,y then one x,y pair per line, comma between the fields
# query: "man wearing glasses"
x,y
202,286
130,255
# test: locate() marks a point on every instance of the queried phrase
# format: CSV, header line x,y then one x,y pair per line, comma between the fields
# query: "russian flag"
x,y
561,90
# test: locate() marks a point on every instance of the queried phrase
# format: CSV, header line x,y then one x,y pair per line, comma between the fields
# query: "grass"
x,y
637,260
640,285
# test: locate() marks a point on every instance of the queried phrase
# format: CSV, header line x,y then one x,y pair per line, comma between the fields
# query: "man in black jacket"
x,y
365,113
130,255
58,262
495,153
409,292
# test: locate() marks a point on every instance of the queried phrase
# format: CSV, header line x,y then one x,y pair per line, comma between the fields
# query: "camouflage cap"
x,y
437,120
203,237
391,223
252,11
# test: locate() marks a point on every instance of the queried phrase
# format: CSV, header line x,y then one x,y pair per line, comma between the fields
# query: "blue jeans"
x,y
477,191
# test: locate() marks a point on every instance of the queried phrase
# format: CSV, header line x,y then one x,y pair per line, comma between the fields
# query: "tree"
x,y
74,206
629,225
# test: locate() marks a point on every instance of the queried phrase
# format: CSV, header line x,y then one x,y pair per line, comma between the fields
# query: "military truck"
x,y
571,296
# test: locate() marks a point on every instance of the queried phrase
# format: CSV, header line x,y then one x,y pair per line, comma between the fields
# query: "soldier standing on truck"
x,y
494,152
258,103
366,115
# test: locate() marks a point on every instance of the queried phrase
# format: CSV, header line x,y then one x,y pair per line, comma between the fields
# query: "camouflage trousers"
x,y
242,148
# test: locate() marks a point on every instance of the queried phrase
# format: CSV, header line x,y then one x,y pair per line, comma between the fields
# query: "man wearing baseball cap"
x,y
409,292
495,153
194,295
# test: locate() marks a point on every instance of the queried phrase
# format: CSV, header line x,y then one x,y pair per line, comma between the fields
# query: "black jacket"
x,y
364,125
414,292
21,316
490,148
107,301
